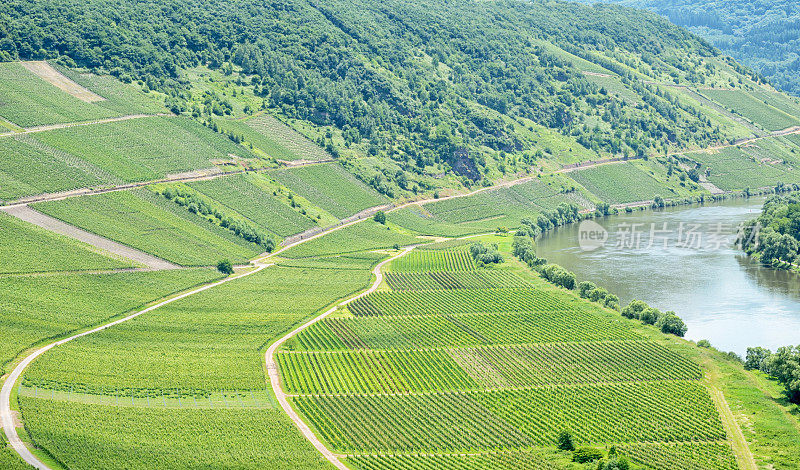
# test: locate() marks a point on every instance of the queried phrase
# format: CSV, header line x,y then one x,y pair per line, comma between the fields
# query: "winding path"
x,y
274,377
7,414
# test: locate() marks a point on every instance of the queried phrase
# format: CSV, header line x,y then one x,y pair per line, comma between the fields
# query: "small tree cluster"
x,y
485,254
588,290
225,267
558,276
524,248
667,322
783,365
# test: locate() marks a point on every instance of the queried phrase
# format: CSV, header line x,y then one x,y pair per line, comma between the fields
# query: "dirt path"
x,y
732,429
274,377
50,127
7,415
52,224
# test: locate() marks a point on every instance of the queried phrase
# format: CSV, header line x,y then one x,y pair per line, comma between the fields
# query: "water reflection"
x,y
722,295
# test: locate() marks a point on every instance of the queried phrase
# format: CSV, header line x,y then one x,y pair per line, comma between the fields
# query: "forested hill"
x,y
764,34
479,88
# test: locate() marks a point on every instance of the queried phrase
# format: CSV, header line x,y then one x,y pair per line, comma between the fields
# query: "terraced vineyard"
x,y
620,183
765,110
429,370
274,138
737,168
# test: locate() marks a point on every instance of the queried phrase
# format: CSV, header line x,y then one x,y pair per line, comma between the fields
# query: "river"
x,y
683,259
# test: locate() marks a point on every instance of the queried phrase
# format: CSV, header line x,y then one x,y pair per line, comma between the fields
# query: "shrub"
x,y
650,316
558,276
704,343
485,254
634,309
670,323
380,217
586,454
225,267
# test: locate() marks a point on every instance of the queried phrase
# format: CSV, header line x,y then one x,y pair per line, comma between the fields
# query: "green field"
x,y
248,195
8,458
27,100
620,183
98,436
209,342
143,149
737,168
30,168
480,279
330,187
152,224
274,138
424,261
41,307
26,248
124,98
752,107
362,236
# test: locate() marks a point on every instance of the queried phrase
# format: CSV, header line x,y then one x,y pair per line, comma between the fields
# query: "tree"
x,y
650,315
564,441
585,287
671,323
586,454
634,309
757,358
784,365
225,267
380,217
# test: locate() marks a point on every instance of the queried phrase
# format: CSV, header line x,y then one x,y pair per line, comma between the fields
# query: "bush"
x,y
564,441
558,276
634,309
704,343
670,323
585,287
225,267
650,316
524,248
380,217
587,454
485,254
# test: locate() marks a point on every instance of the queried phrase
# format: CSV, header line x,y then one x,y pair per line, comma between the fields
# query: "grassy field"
x,y
152,224
752,107
26,248
330,187
41,307
468,370
28,101
143,149
367,235
620,183
248,195
274,138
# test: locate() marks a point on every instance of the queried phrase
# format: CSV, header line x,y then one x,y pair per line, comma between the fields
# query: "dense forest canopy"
x,y
423,83
763,34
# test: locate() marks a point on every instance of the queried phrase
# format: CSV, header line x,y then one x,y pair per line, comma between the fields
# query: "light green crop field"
x,y
124,98
99,436
40,307
753,107
242,194
418,219
8,458
214,340
143,149
27,100
745,167
330,187
362,236
452,369
208,342
29,168
457,259
152,224
274,138
620,183
26,248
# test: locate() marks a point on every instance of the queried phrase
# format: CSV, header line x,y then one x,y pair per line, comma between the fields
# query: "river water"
x,y
683,259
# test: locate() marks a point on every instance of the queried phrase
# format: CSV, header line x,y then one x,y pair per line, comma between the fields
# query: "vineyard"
x,y
274,138
41,307
29,101
152,224
737,168
368,235
752,107
620,183
243,194
29,248
331,187
487,362
142,149
424,261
